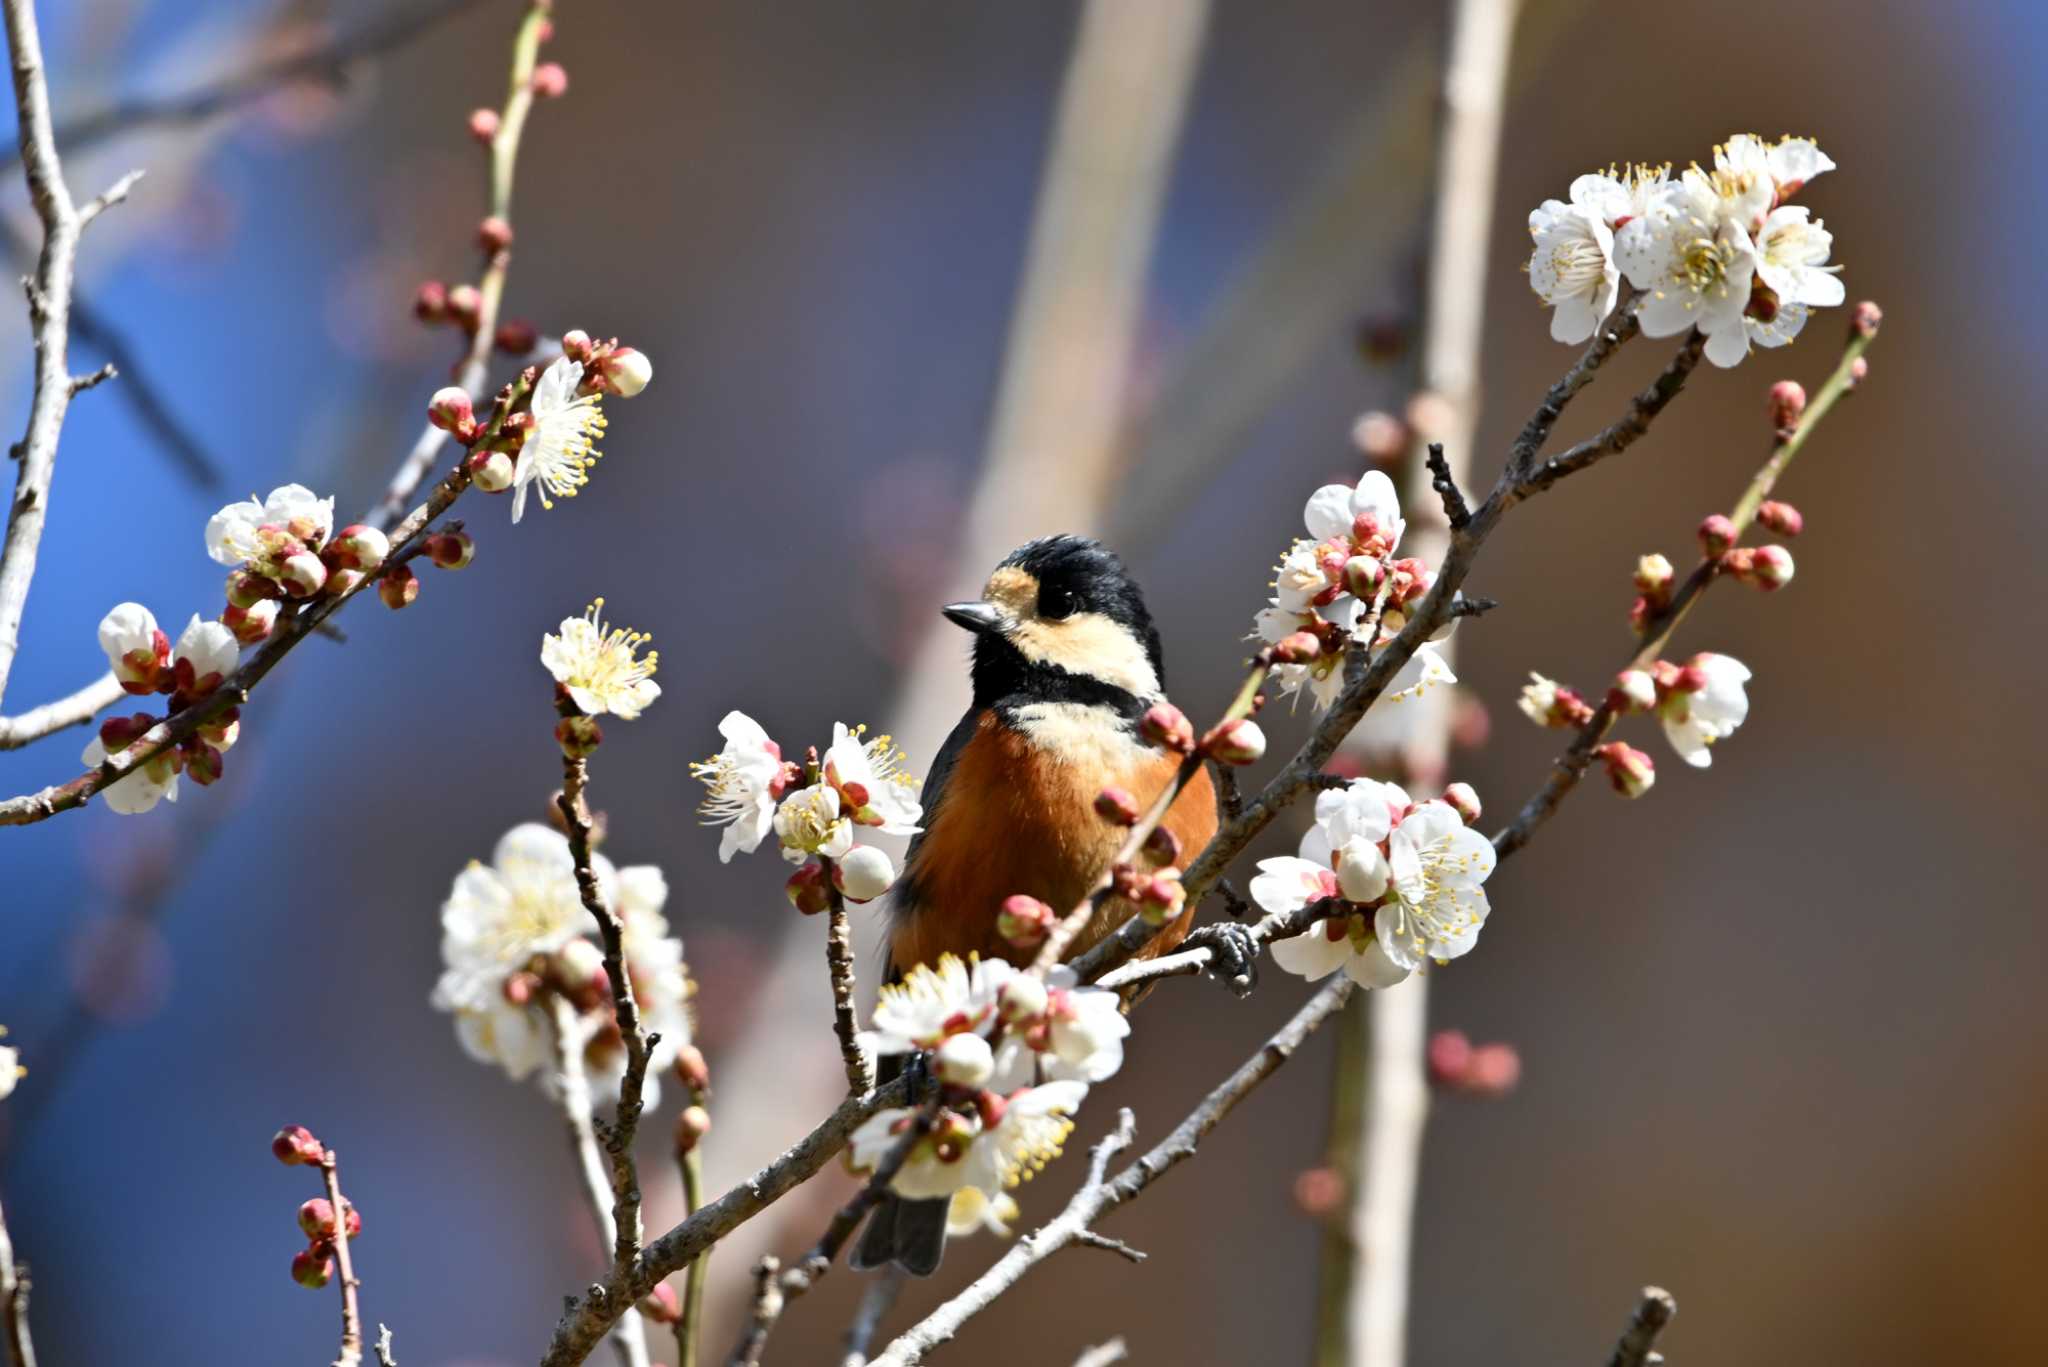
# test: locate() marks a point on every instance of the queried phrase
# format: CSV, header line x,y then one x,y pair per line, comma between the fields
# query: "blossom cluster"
x,y
144,660
813,808
515,934
1721,249
1698,703
313,1265
1404,882
1342,586
285,548
1014,1055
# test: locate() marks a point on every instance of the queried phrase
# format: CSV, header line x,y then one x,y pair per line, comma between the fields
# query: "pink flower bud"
x,y
1493,1071
451,550
201,762
1859,371
1464,800
302,574
1782,518
1319,1192
863,873
1024,922
1117,807
691,1127
1168,726
1653,577
1362,575
550,81
1381,437
1785,406
1162,897
493,235
579,737
1449,1056
1628,769
316,1218
1634,691
1865,318
246,588
1772,568
1717,533
483,125
576,345
661,1304
253,623
312,1267
491,471
360,547
516,337
692,1071
625,372
1297,648
449,407
1236,741
465,303
807,891
398,586
430,302
295,1144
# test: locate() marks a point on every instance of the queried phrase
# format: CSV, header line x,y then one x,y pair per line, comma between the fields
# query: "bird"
x,y
1065,663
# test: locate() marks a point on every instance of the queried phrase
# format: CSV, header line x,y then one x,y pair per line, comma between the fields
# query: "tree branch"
x,y
1637,1341
351,1311
572,1092
74,710
860,1069
14,1288
49,308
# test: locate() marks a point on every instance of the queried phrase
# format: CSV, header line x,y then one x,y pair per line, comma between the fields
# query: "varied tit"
x,y
1066,662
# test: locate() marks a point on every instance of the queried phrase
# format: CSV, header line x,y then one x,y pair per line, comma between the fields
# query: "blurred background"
x,y
1780,1027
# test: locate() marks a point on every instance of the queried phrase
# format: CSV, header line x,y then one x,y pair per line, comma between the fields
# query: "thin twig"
x,y
1103,1355
14,1288
839,961
1638,1341
351,1311
767,1309
75,710
1098,1195
1445,482
49,308
875,1303
1109,1245
690,1322
385,1356
618,1138
1572,765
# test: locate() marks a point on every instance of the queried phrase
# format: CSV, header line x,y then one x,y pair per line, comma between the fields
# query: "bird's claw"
x,y
1233,955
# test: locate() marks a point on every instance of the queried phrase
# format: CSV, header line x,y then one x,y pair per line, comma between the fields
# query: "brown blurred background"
x,y
1782,1043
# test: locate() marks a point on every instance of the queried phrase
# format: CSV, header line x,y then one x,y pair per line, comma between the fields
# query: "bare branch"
x,y
1639,1339
1104,1355
49,296
351,1312
75,710
860,1069
1445,482
875,1303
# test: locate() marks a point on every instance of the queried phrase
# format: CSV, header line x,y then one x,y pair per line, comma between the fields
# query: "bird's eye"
x,y
1055,603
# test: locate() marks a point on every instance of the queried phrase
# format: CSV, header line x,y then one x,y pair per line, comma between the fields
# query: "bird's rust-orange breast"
x,y
1019,817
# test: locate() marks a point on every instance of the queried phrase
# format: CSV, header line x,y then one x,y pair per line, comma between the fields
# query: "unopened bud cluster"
x,y
1485,1071
313,1265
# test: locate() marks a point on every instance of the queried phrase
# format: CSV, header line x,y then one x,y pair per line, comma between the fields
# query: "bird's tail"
x,y
910,1234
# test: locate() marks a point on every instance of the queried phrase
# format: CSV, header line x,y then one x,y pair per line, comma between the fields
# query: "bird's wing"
x,y
905,899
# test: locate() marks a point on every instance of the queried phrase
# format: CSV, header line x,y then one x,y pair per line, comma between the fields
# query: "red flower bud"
x,y
661,1304
1782,518
483,125
451,550
1449,1055
464,304
693,1071
1168,726
1161,848
579,737
295,1144
691,1127
1717,534
1117,807
1298,648
398,586
430,302
316,1218
1865,318
516,337
808,889
491,471
311,1267
1024,922
493,235
1786,404
1238,740
1772,568
449,407
550,81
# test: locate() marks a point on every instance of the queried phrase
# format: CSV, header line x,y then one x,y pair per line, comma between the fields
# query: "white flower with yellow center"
x,y
874,786
1572,267
600,665
524,903
558,451
743,780
1695,262
234,534
1792,250
1077,1037
809,822
1033,1128
140,788
1436,904
974,1210
933,1003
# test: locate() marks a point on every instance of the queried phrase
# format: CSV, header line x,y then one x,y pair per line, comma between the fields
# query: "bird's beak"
x,y
977,616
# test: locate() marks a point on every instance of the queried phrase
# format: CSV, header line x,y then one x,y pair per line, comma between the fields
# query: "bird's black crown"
x,y
1074,575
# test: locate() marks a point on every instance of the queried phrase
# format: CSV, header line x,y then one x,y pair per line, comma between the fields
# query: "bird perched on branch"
x,y
1066,663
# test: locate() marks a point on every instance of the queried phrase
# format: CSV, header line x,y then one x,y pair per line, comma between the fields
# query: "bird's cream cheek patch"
x,y
1091,644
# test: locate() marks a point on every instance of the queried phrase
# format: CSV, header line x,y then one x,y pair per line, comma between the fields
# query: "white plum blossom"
x,y
137,650
1694,721
990,1147
1437,903
144,786
205,655
500,915
1076,1036
1300,579
1695,265
743,780
234,534
872,781
1572,267
1792,249
1334,510
863,873
1033,1127
599,665
1345,941
12,1072
810,821
933,1002
557,453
